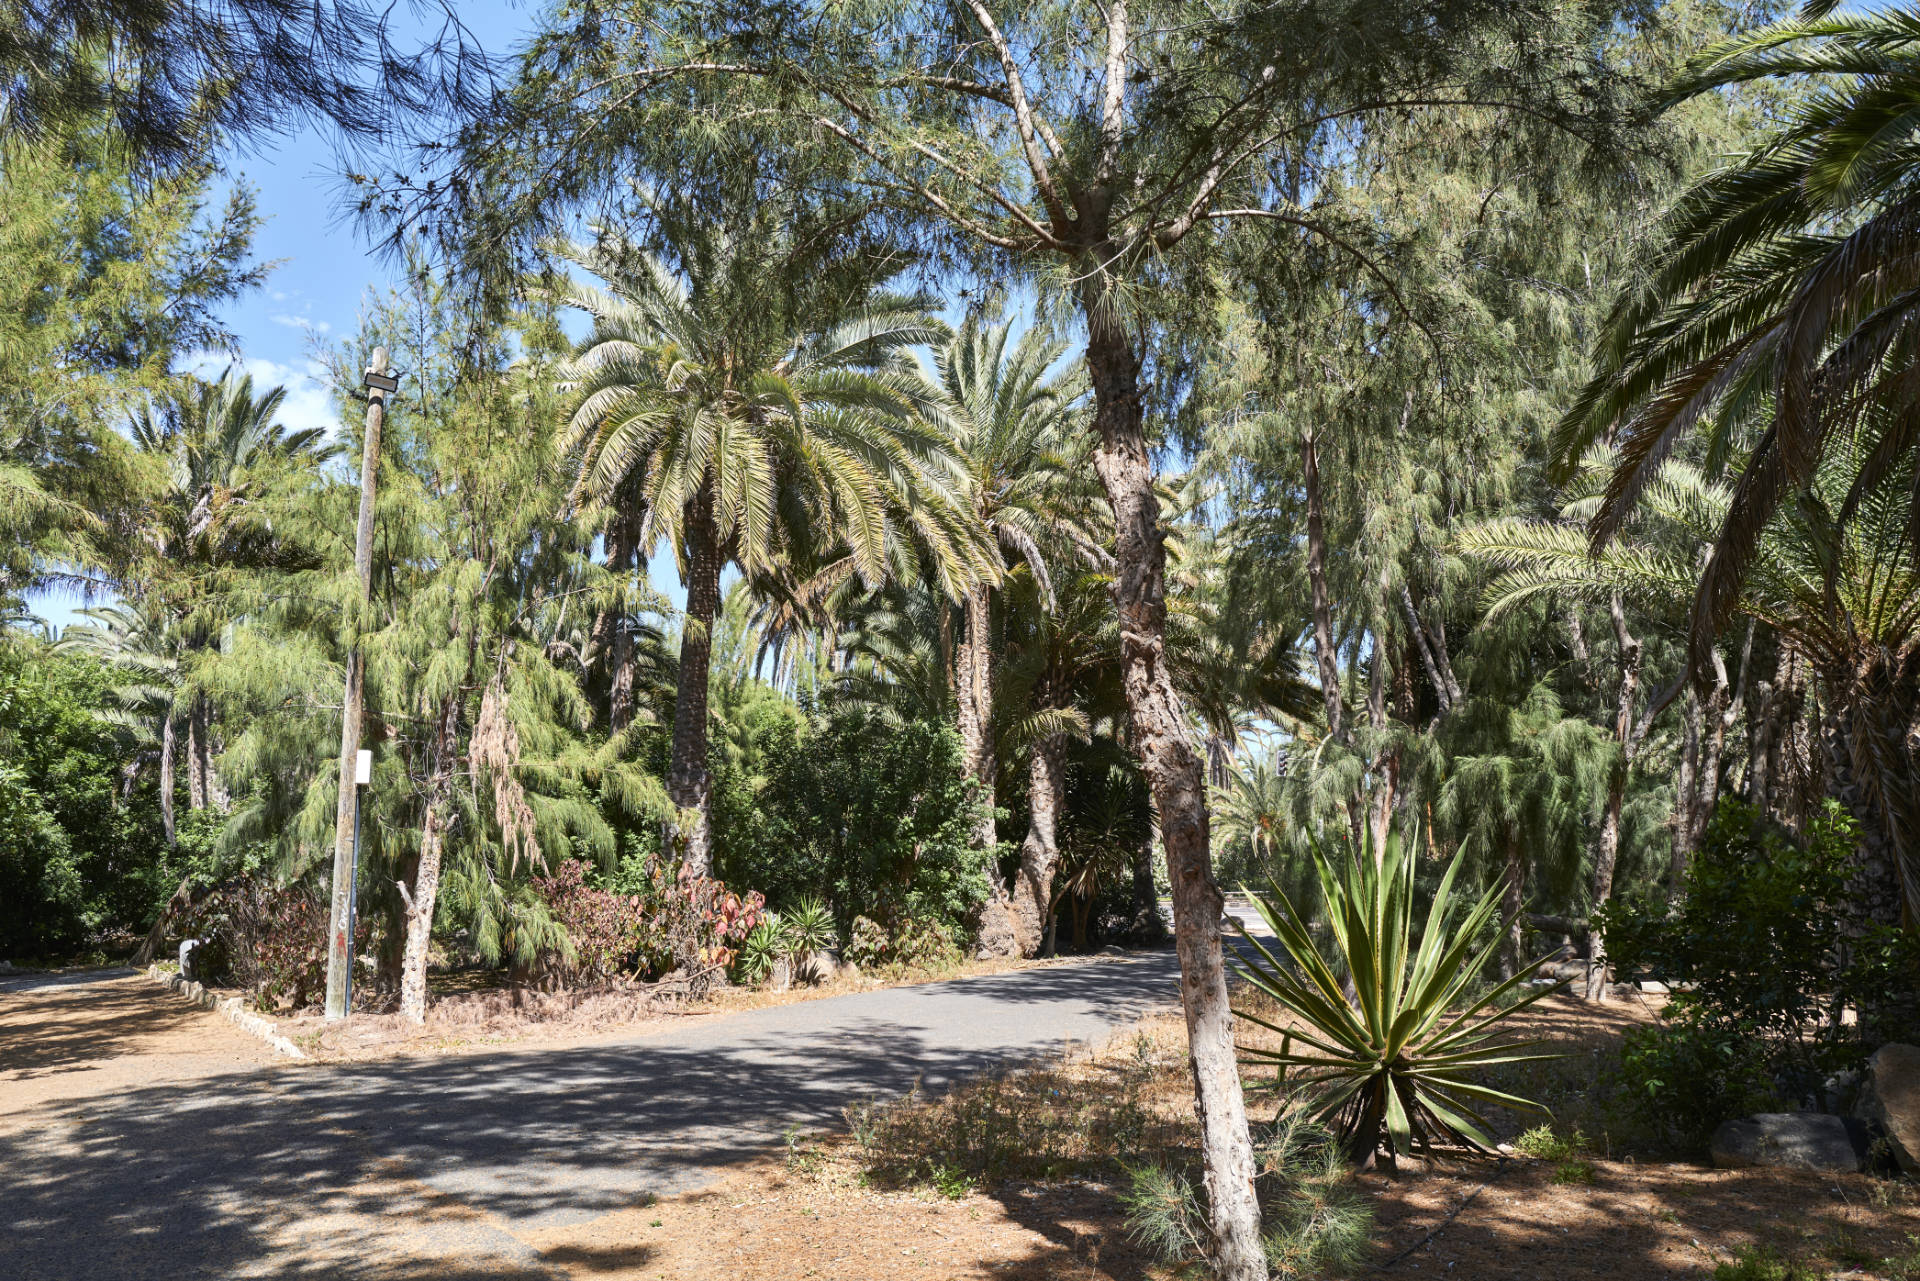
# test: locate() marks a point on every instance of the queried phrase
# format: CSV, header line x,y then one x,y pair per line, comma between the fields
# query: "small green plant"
x,y
1574,1172
1163,1212
1392,1064
1542,1144
807,929
1764,1263
1316,1221
760,951
950,1181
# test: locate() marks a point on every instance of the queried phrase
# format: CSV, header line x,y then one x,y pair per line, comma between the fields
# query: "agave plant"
x,y
807,929
1388,1057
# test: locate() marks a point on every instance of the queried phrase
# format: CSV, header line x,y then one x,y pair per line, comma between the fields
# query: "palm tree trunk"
x,y
611,640
167,750
1040,852
976,709
688,783
1317,581
426,878
196,758
1147,929
1159,739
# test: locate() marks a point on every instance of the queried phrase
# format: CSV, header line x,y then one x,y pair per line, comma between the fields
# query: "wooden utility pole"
x,y
345,847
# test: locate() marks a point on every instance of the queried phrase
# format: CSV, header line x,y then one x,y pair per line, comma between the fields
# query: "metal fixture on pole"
x,y
346,829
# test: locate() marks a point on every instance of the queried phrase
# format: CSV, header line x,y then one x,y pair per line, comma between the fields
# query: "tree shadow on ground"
x,y
375,1169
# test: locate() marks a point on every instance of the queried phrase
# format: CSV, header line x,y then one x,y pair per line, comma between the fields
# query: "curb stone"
x,y
231,1008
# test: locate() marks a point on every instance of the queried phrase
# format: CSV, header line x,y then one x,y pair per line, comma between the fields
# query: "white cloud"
x,y
302,323
308,402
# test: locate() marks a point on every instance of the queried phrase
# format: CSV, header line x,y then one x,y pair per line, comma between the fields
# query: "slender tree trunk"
x,y
1323,652
1513,902
1159,738
196,756
1040,852
1436,628
976,709
688,783
1686,800
167,752
1607,847
1421,646
426,878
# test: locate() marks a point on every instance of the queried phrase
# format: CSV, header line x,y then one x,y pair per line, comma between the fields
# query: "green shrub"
x,y
1764,1263
1759,950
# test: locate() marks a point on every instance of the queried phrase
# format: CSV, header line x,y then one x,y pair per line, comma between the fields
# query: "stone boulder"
x,y
1804,1140
1890,1101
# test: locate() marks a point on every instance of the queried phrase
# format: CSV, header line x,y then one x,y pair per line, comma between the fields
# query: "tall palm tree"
x,y
134,638
1781,306
772,445
223,450
1026,479
1842,594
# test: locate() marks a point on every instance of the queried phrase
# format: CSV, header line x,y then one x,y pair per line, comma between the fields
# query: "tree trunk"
x,y
1040,852
974,688
1606,850
1686,796
196,756
1158,737
426,878
1317,581
688,783
167,751
1513,902
1148,928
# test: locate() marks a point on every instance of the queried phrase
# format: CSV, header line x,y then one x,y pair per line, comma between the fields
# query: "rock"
x,y
1653,987
1890,1100
1804,1140
816,968
780,978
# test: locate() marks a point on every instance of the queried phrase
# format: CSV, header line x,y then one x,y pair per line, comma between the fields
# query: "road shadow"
x,y
363,1170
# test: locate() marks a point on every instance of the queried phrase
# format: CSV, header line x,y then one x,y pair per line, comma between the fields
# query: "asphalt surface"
x,y
425,1167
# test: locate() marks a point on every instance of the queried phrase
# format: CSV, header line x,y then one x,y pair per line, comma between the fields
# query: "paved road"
x,y
424,1167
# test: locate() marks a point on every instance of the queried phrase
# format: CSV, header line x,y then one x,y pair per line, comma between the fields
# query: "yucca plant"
x,y
807,929
1388,1057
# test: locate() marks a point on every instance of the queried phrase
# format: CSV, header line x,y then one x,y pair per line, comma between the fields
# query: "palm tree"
x,y
222,449
1782,299
1842,593
134,638
1026,479
755,442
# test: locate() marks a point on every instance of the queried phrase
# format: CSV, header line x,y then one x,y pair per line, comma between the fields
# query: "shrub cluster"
x,y
1766,965
912,943
691,923
271,941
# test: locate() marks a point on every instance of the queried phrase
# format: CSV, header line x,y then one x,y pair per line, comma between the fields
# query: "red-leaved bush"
x,y
272,942
694,924
605,927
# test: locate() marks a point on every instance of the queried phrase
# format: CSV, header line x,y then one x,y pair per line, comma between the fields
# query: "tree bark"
x,y
426,878
1159,739
1040,852
689,786
196,756
975,691
1686,796
1607,846
1513,902
167,751
1317,582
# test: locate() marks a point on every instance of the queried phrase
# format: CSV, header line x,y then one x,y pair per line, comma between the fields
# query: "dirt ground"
x,y
84,1039
830,1209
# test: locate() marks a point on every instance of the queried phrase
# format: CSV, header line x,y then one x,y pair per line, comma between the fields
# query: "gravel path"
x,y
417,1168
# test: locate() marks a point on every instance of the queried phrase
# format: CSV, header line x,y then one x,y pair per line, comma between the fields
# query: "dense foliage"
x,y
1764,962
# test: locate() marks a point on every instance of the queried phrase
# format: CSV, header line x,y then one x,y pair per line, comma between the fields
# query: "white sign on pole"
x,y
363,767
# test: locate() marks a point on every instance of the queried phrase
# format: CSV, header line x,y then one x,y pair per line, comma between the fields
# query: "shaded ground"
x,y
439,1166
